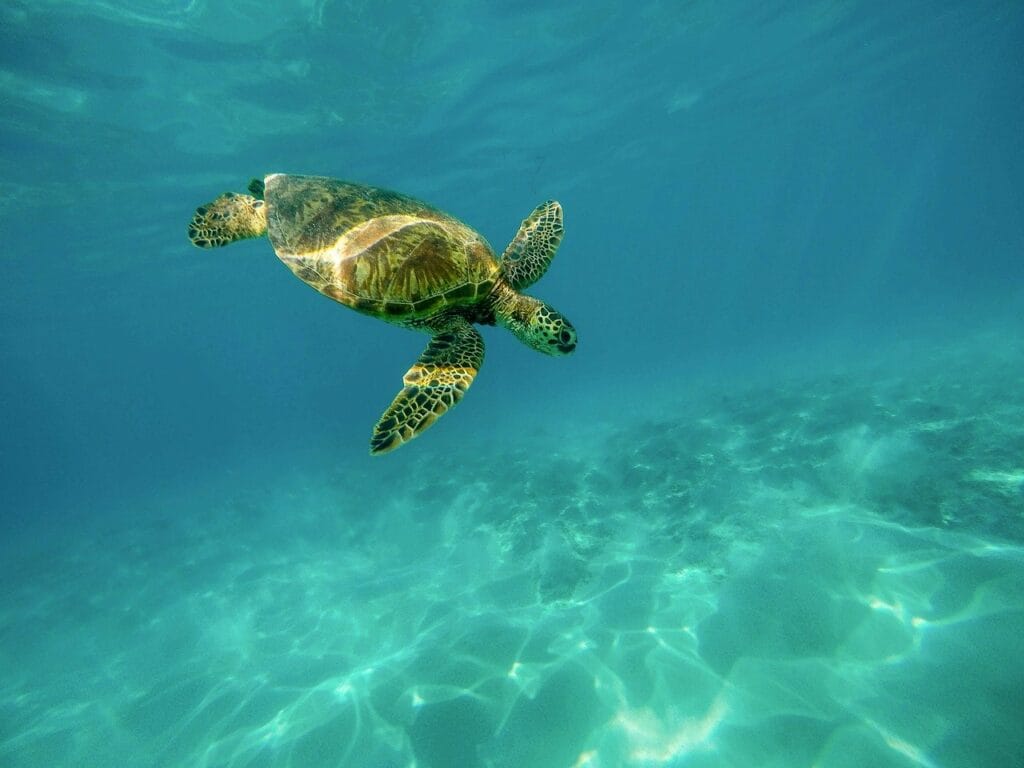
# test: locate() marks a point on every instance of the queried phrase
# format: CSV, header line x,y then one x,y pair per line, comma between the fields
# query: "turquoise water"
x,y
770,512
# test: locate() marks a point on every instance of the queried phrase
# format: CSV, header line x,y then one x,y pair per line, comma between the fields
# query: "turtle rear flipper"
x,y
434,384
229,218
529,254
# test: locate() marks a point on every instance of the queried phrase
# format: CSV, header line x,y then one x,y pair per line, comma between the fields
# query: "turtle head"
x,y
549,332
229,218
537,325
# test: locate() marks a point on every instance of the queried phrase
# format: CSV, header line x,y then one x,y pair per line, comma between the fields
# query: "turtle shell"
x,y
379,252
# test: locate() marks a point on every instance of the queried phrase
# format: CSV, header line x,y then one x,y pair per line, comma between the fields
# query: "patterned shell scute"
x,y
376,251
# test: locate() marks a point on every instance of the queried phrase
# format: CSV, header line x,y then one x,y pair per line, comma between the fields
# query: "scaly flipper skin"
x,y
434,384
229,218
529,254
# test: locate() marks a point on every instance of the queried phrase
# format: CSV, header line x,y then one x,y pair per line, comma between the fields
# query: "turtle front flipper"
x,y
529,254
434,384
229,218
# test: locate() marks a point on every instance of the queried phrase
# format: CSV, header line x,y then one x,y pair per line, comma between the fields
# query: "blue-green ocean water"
x,y
769,514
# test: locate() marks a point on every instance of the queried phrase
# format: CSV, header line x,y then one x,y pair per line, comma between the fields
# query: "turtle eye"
x,y
565,336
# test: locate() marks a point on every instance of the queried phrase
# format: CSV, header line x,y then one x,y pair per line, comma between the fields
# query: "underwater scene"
x,y
758,503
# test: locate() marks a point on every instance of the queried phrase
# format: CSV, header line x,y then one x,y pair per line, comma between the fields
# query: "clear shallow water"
x,y
770,513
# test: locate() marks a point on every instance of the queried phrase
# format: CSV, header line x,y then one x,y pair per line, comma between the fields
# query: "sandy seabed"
x,y
824,571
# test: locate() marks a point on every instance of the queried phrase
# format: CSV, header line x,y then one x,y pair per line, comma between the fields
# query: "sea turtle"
x,y
405,262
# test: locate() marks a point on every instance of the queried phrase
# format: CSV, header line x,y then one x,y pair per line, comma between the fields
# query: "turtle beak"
x,y
567,341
